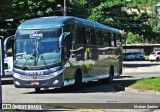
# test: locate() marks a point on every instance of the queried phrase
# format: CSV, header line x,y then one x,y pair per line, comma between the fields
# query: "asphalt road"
x,y
93,92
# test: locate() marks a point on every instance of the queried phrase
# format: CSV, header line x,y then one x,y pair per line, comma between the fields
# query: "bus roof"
x,y
60,21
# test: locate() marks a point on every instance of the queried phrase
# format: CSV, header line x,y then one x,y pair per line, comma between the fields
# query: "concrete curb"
x,y
142,91
8,80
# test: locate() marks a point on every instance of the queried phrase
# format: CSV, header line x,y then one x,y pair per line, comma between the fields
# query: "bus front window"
x,y
37,48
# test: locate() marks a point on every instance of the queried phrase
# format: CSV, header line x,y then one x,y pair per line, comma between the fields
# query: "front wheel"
x,y
111,75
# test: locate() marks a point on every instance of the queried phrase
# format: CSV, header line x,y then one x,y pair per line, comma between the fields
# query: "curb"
x,y
8,80
142,91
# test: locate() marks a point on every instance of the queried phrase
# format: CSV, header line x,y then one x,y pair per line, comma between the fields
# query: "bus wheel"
x,y
111,75
158,59
78,80
37,89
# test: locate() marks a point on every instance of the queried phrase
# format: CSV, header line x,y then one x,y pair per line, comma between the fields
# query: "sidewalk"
x,y
7,80
127,89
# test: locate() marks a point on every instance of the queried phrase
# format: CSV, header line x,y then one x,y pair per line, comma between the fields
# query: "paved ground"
x,y
94,92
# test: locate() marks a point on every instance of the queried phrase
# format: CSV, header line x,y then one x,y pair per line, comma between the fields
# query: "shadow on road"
x,y
92,87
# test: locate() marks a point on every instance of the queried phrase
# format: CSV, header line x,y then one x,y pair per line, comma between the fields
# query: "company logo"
x,y
36,35
34,73
34,77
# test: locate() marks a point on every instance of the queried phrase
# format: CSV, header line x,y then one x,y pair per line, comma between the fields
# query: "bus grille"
x,y
39,77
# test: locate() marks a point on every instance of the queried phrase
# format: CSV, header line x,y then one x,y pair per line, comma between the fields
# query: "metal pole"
x,y
64,8
125,44
2,56
1,69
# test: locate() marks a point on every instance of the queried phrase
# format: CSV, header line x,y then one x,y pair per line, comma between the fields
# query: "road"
x,y
93,92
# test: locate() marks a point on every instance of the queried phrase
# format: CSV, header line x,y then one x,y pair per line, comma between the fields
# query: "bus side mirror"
x,y
62,37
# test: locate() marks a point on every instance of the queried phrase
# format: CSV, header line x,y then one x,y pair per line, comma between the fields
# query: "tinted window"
x,y
80,35
44,33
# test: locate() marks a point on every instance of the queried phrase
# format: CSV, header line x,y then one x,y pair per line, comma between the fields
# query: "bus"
x,y
65,50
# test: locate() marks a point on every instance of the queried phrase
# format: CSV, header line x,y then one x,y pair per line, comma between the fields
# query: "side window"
x,y
68,39
106,39
67,46
87,35
109,38
98,37
69,28
113,39
80,35
118,40
92,39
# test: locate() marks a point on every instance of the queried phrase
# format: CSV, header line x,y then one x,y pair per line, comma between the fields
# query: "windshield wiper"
x,y
42,57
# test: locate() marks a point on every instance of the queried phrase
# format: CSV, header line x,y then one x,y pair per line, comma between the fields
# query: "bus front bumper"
x,y
39,83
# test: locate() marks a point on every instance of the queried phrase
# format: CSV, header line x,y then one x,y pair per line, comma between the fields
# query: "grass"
x,y
79,108
146,58
147,84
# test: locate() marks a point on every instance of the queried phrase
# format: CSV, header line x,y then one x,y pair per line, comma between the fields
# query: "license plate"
x,y
34,83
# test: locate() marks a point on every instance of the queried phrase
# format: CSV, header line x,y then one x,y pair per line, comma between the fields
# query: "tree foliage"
x,y
142,26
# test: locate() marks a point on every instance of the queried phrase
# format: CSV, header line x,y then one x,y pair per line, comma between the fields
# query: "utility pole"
x,y
64,9
1,69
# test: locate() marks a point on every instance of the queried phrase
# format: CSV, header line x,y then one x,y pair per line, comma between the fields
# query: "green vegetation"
x,y
79,108
146,58
147,84
139,24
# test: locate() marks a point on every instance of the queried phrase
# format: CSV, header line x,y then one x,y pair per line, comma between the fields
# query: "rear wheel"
x,y
110,78
157,59
78,80
37,89
111,75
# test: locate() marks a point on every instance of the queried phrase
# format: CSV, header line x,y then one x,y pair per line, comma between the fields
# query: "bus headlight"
x,y
55,82
57,72
17,83
16,75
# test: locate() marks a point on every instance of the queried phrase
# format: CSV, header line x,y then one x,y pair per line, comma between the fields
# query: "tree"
x,y
129,16
20,10
109,12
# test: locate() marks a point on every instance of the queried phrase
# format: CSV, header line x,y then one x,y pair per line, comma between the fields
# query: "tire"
x,y
78,80
111,75
37,89
157,59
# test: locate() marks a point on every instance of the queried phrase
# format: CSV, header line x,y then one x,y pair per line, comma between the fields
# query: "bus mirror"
x,y
6,41
62,37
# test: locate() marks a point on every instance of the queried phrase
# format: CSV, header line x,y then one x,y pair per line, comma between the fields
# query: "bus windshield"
x,y
37,48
